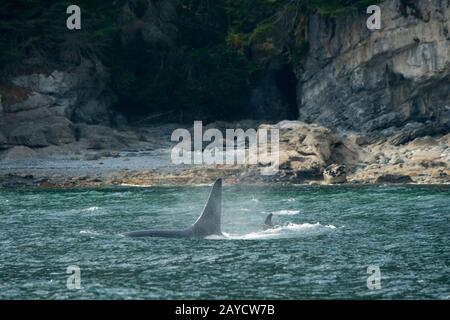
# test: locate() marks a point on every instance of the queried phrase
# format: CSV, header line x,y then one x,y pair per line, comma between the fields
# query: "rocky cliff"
x,y
373,81
61,84
375,102
40,108
348,77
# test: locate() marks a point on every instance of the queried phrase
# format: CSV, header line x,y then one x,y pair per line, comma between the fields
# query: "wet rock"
x,y
335,174
92,156
101,154
304,150
3,140
394,178
19,153
101,137
34,101
43,132
93,112
110,154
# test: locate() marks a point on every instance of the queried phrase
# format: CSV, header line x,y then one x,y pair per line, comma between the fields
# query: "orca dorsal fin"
x,y
268,222
209,222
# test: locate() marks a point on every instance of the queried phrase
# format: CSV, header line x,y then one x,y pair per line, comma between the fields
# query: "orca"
x,y
209,222
268,224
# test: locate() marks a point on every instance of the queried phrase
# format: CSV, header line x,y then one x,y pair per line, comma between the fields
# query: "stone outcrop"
x,y
104,138
394,178
368,81
19,153
423,160
305,150
335,174
376,102
309,152
40,109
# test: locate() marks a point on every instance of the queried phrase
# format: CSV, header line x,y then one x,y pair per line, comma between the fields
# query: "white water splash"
x,y
91,209
89,232
286,212
291,230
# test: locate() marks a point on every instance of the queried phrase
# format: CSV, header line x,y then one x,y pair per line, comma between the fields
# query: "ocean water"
x,y
324,241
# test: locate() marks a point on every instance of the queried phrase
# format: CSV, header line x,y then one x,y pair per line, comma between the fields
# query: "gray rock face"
x,y
39,109
34,101
354,78
18,153
42,132
57,83
104,138
3,139
78,93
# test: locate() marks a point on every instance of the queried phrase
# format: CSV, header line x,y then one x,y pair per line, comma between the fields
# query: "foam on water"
x,y
286,212
89,232
90,209
47,231
291,230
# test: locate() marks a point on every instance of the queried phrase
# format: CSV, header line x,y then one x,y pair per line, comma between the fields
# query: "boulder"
x,y
42,132
99,137
18,153
34,101
92,112
57,83
304,149
394,178
335,174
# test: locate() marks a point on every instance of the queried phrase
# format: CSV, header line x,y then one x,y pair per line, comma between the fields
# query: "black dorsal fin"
x,y
210,220
268,222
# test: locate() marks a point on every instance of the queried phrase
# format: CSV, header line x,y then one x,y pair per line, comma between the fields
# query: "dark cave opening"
x,y
286,82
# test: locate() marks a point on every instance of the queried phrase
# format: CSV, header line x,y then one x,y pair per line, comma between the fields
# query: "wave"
x,y
135,185
90,209
89,232
291,230
286,212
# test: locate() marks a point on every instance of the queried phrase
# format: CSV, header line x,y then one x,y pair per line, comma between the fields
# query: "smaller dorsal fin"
x,y
268,222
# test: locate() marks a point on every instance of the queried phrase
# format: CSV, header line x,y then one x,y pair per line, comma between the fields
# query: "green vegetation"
x,y
207,72
334,7
38,28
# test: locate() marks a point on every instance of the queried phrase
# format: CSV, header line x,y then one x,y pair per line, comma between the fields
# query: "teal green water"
x,y
325,239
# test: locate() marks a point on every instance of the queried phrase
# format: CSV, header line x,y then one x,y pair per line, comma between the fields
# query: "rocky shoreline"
x,y
374,105
309,154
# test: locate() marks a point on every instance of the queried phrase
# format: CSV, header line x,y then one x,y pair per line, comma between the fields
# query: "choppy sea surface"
x,y
326,243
